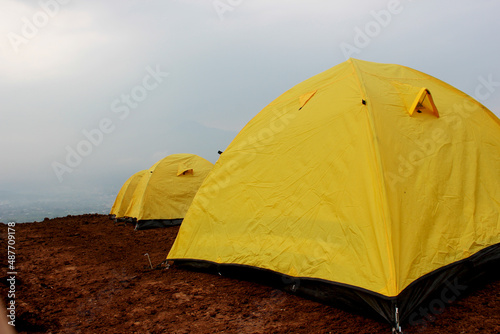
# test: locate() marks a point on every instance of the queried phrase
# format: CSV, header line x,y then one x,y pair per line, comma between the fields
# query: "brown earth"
x,y
85,274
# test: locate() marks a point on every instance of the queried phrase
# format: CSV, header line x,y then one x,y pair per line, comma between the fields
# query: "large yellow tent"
x,y
125,194
374,184
163,196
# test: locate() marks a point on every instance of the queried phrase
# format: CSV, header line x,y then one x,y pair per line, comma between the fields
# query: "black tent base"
x,y
157,223
418,303
344,297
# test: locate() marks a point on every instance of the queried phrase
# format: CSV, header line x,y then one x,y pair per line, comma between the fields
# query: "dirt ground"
x,y
84,274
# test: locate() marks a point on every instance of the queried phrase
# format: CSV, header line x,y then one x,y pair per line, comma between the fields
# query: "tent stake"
x,y
397,329
150,264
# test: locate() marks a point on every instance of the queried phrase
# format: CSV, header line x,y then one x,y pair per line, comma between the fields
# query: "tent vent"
x,y
184,170
417,99
364,102
303,99
424,103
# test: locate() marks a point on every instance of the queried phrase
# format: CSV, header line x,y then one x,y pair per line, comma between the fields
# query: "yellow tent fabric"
x,y
166,194
353,187
124,196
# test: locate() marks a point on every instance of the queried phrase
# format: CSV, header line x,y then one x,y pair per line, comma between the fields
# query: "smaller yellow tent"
x,y
124,196
164,194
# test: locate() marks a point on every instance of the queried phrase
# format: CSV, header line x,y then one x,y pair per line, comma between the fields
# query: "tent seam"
x,y
379,167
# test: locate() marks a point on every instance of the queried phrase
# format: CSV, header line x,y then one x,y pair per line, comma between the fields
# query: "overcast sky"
x,y
128,82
